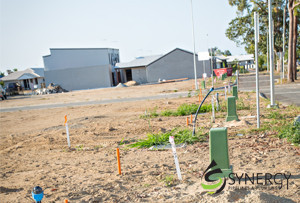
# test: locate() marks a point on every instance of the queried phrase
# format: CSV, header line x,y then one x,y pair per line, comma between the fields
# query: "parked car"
x,y
2,93
13,89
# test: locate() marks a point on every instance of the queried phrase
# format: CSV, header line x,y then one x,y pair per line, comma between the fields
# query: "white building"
x,y
30,78
81,68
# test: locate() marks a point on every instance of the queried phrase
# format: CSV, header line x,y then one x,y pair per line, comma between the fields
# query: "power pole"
x,y
195,68
283,42
271,54
256,30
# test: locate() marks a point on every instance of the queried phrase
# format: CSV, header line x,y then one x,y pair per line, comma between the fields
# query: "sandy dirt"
x,y
33,151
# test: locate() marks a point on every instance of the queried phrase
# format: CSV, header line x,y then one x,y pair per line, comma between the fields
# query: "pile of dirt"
x,y
131,83
53,88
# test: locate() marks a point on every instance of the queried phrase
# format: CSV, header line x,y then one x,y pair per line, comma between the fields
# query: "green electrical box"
x,y
218,151
231,109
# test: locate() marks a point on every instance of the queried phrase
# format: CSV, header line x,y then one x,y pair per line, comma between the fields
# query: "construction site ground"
x,y
34,151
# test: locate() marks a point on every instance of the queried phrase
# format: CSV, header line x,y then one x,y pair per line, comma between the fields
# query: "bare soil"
x,y
33,151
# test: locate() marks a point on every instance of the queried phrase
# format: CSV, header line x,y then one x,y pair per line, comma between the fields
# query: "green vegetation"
x,y
180,136
79,148
241,105
182,110
291,132
169,180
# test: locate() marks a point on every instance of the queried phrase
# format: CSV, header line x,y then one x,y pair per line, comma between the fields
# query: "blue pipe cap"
x,y
37,193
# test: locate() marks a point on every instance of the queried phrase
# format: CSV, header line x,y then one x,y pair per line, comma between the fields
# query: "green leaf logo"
x,y
221,181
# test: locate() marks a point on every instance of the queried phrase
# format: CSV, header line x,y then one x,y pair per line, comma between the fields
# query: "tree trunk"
x,y
295,30
291,44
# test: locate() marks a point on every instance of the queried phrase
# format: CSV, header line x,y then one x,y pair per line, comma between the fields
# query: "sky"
x,y
29,28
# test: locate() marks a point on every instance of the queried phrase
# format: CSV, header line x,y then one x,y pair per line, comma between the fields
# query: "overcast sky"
x,y
136,27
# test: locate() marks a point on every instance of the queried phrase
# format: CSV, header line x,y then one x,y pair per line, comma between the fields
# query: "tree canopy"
x,y
241,29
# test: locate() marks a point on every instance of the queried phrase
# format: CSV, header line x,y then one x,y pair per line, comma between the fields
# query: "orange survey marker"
x,y
66,201
191,118
187,121
66,119
119,162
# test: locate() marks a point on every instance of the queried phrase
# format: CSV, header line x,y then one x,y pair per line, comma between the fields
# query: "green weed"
x,y
291,132
180,136
169,180
79,147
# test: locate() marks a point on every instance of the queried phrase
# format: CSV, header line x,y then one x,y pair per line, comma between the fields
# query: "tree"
x,y
241,29
293,33
15,69
2,74
227,53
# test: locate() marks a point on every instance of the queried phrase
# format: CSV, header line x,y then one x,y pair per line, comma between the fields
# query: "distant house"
x,y
30,78
242,60
81,68
175,64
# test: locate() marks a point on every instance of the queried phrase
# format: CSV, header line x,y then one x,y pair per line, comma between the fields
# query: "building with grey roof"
x,y
175,64
30,78
81,68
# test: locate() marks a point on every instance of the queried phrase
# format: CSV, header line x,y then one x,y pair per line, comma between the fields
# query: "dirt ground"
x,y
33,151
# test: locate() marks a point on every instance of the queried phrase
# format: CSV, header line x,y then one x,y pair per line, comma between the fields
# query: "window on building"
x,y
36,81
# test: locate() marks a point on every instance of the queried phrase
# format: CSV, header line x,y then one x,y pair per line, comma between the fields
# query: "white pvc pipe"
x,y
68,135
171,140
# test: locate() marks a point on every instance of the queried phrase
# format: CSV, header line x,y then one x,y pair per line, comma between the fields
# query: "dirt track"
x,y
34,151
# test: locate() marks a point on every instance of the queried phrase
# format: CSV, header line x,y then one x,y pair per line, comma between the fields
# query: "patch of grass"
x,y
291,132
189,94
79,147
241,105
169,180
180,136
152,113
187,109
275,115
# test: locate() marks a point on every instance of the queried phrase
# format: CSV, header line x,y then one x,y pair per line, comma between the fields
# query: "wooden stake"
x,y
191,118
66,201
187,121
119,162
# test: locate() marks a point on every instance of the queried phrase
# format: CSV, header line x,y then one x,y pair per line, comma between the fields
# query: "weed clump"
x,y
180,136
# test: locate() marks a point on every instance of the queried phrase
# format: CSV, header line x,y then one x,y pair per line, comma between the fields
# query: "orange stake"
x,y
191,118
66,201
119,162
187,121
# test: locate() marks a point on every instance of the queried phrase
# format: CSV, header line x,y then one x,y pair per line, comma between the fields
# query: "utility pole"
x,y
283,42
212,68
268,52
195,68
271,54
256,30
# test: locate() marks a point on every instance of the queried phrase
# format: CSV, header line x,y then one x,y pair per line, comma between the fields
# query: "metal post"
x,y
212,68
213,108
195,71
257,68
268,52
271,54
237,77
283,42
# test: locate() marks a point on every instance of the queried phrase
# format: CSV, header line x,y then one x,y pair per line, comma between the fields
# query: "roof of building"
x,y
29,73
139,62
147,60
246,57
